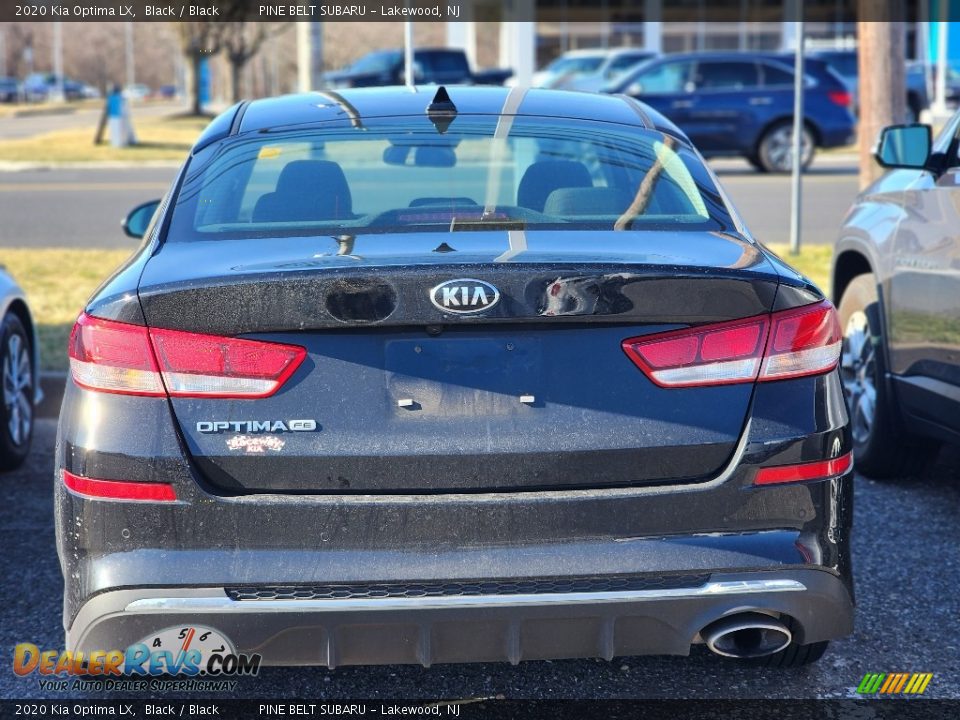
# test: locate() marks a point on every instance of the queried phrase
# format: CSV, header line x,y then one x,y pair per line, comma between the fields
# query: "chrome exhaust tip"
x,y
746,635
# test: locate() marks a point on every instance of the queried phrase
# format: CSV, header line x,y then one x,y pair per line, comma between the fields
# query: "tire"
x,y
754,161
774,151
880,448
17,376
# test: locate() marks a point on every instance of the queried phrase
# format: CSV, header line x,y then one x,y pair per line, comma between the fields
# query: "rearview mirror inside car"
x,y
137,221
904,146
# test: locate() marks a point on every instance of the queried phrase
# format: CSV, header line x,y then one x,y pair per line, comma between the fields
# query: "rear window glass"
x,y
402,175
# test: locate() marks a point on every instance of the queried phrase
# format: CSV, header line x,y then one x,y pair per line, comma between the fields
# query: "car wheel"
x,y
880,451
16,410
754,161
775,149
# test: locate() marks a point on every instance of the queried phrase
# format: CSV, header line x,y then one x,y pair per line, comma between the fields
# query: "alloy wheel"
x,y
857,365
779,148
18,389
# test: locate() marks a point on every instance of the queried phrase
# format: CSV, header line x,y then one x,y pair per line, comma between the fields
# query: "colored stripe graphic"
x,y
893,683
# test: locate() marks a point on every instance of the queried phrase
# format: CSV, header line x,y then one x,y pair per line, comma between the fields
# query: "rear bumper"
x,y
470,628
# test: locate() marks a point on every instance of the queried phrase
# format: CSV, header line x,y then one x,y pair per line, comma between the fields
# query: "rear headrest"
x,y
307,190
546,176
588,201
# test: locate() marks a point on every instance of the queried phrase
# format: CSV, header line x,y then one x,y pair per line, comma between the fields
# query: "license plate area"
x,y
463,376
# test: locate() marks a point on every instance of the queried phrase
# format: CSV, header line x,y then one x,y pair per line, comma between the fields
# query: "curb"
x,y
42,112
53,384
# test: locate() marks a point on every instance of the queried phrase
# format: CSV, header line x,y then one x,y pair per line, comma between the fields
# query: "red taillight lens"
x,y
113,357
195,365
791,343
119,489
712,355
122,358
840,97
819,470
805,341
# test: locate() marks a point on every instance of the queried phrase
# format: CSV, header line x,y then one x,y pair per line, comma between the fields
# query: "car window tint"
x,y
623,62
400,175
726,75
775,75
440,62
668,77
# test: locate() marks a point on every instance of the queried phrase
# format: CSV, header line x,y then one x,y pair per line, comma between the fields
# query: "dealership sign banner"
x,y
482,708
614,11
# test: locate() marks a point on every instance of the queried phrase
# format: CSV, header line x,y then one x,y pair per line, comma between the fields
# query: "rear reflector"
x,y
119,489
121,358
791,343
819,470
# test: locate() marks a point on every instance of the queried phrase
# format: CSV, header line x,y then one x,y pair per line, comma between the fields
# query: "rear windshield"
x,y
481,173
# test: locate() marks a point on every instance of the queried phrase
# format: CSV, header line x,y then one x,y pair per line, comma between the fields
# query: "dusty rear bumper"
x,y
469,628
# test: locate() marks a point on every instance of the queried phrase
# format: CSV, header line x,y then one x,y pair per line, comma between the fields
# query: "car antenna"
x,y
441,110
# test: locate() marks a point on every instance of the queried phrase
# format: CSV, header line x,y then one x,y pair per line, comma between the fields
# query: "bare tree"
x,y
198,40
242,40
882,87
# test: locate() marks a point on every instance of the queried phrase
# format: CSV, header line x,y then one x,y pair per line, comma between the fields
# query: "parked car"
x,y
39,87
137,91
846,65
432,66
10,90
742,104
589,70
19,363
897,277
401,390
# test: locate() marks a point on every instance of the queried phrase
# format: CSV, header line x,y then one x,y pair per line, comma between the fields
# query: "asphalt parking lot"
x,y
906,565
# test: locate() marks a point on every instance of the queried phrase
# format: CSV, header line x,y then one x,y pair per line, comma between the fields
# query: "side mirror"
x,y
137,221
634,89
904,146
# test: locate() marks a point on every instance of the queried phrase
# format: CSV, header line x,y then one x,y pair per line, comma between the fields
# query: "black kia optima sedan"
x,y
448,375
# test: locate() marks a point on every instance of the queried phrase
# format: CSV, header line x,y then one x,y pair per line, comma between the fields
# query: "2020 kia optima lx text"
x,y
424,377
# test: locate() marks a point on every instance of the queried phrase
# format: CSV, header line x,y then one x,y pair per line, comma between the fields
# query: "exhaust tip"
x,y
746,635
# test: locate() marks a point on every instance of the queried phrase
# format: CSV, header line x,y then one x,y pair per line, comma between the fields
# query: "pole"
x,y
796,194
131,71
58,61
940,92
408,53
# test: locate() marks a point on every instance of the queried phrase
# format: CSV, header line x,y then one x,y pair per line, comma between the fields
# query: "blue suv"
x,y
742,104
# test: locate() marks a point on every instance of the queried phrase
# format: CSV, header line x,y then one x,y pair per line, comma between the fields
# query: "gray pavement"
x,y
82,207
70,207
906,566
38,122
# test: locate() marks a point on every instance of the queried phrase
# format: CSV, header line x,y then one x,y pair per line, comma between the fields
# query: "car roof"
x,y
380,102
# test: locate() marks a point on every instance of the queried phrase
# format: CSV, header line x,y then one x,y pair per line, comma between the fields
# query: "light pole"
x,y
796,169
58,62
408,54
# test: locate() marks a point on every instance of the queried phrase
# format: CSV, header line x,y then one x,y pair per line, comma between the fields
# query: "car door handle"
x,y
761,100
682,104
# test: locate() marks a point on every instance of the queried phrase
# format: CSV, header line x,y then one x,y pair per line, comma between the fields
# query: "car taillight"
x,y
840,97
790,343
118,357
818,470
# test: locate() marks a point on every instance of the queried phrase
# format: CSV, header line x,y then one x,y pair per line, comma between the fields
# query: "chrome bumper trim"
x,y
226,605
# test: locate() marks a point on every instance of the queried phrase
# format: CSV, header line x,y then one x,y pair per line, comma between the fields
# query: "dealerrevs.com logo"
x,y
201,657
